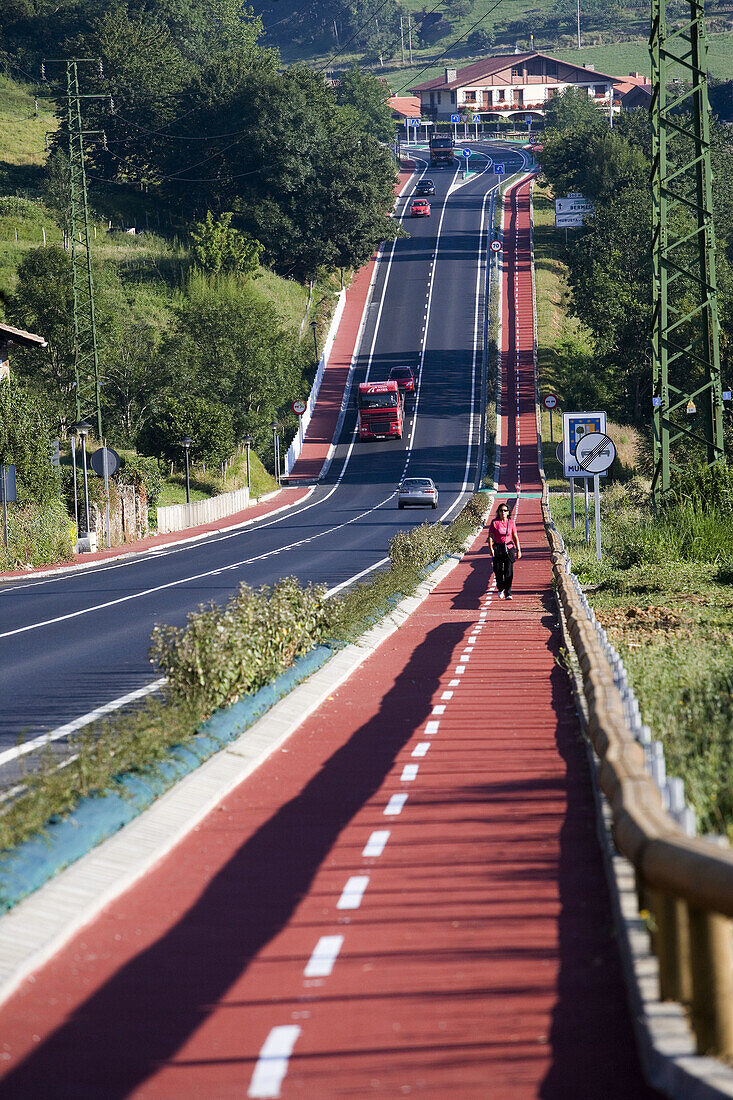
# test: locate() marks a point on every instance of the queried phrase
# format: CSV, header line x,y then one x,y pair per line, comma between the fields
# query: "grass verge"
x,y
221,655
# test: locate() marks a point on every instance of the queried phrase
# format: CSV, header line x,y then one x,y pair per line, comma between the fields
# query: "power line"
x,y
357,32
455,42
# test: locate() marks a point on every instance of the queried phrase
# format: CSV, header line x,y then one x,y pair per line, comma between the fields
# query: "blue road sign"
x,y
414,122
467,152
475,118
454,118
499,169
528,119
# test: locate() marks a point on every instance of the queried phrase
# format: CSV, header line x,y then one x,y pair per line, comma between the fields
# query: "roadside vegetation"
x,y
664,589
223,654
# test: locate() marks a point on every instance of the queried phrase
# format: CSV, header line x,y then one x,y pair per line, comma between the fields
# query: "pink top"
x,y
503,531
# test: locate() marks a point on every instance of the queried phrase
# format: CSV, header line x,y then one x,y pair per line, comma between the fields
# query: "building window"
x,y
439,95
432,98
501,96
453,97
516,72
470,97
600,89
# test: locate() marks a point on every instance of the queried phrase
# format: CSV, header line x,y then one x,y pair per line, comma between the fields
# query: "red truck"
x,y
381,411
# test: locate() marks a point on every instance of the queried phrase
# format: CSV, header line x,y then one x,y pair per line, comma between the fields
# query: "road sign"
x,y
595,452
8,490
454,118
495,246
499,169
299,406
575,426
55,452
568,221
467,153
550,401
574,205
528,119
533,140
475,118
105,456
558,452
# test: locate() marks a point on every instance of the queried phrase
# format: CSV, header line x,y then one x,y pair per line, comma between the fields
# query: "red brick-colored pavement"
x,y
432,826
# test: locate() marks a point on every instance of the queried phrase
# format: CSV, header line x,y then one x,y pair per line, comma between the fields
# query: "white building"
x,y
509,86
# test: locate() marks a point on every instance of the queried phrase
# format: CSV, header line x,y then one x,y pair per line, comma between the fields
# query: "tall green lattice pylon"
x,y
685,352
86,357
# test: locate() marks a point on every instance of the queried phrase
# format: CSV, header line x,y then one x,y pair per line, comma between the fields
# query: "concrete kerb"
x,y
32,932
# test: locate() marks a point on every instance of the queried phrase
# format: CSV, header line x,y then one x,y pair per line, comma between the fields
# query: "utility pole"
x,y
402,39
409,35
687,392
578,24
86,357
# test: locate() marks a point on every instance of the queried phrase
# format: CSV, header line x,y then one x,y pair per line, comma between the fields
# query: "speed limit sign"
x,y
299,407
496,246
550,402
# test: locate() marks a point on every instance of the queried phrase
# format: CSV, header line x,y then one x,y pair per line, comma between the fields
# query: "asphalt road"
x,y
72,643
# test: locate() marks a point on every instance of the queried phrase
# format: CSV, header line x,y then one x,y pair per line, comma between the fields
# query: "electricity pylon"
x,y
86,357
687,391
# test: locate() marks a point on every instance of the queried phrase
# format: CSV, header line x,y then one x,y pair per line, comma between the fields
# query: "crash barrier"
x,y
178,517
293,452
684,882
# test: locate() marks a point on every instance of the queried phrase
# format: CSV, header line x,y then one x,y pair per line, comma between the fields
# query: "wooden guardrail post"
x,y
712,982
672,947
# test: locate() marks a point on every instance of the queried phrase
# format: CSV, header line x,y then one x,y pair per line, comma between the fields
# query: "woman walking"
x,y
505,550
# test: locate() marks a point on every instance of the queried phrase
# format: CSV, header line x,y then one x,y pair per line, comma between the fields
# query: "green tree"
x,y
573,109
25,440
208,423
219,247
367,97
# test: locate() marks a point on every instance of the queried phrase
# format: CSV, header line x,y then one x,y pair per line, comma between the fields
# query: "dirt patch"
x,y
642,625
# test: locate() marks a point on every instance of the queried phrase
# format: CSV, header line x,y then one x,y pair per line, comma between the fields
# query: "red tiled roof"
x,y
407,105
491,65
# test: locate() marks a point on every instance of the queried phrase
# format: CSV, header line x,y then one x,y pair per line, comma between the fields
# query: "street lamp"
x,y
276,448
315,339
186,444
248,441
72,432
83,427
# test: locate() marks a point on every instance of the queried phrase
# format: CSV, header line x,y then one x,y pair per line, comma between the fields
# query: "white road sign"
x,y
595,452
571,204
568,221
575,426
495,246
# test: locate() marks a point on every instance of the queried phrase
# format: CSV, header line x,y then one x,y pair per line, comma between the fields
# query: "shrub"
x,y
724,572
224,652
709,486
37,533
143,472
418,546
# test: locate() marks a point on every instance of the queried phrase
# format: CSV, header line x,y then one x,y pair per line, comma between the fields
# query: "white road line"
x,y
190,579
454,684
421,748
325,953
439,709
375,845
446,696
353,892
70,727
272,1064
409,773
431,729
395,805
460,669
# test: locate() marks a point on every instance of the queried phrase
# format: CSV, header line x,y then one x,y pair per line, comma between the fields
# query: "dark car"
x,y
420,209
425,187
421,491
404,378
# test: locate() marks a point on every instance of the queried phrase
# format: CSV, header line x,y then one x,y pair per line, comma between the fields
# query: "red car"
x,y
404,378
420,209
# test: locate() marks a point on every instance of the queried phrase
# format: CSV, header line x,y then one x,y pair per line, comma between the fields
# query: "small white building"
x,y
509,86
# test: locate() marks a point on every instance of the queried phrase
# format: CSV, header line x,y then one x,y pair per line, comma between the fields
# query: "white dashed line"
x,y
439,709
375,845
272,1064
353,892
460,669
431,729
447,695
454,683
395,805
421,748
325,953
409,772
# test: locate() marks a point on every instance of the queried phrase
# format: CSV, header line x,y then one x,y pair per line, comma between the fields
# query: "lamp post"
x,y
248,441
72,433
276,448
315,339
186,444
83,427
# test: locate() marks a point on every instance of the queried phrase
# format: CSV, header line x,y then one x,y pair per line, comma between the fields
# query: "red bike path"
x,y
407,898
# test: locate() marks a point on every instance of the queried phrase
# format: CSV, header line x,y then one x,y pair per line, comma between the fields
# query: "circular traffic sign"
x,y
595,452
495,246
550,401
533,140
559,454
105,456
467,152
299,406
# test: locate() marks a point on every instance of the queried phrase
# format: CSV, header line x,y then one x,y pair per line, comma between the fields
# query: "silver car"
x,y
417,490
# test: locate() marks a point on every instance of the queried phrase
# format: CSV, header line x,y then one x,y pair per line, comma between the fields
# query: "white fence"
x,y
297,445
177,517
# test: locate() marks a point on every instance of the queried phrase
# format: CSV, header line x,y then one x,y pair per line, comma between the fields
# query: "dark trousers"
x,y
503,569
